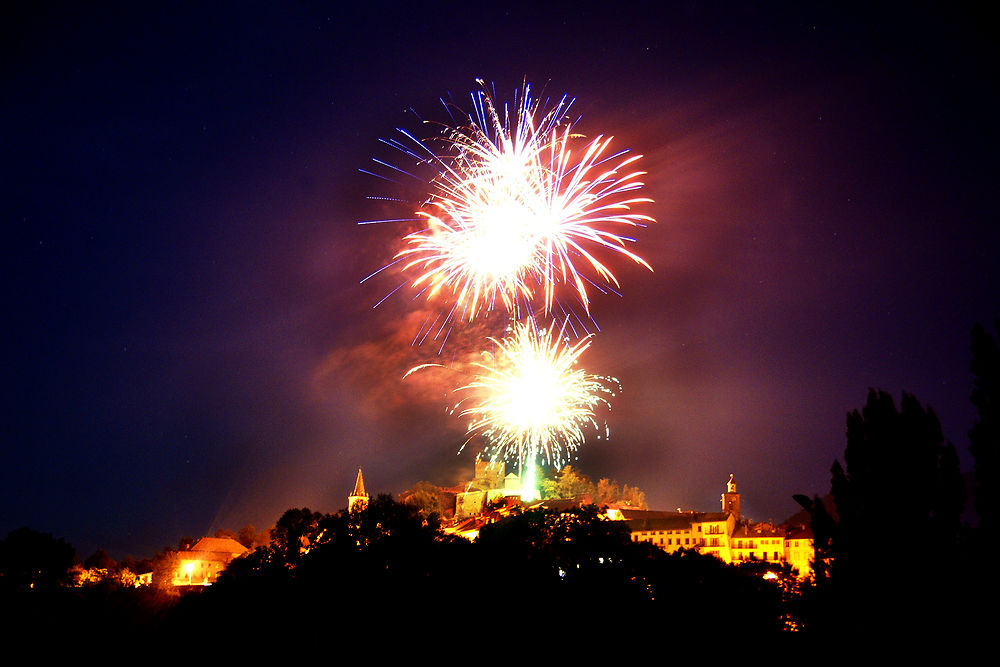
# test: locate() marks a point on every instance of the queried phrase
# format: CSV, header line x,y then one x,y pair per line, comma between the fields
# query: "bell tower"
x,y
731,500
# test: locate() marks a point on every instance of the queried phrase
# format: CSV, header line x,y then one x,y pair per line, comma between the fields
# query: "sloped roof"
x,y
558,504
658,520
219,545
758,530
468,528
799,533
676,522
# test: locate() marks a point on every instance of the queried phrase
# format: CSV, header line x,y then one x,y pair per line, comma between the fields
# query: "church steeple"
x,y
358,500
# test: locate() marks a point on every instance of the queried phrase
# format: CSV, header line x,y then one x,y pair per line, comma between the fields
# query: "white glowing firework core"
x,y
533,398
501,244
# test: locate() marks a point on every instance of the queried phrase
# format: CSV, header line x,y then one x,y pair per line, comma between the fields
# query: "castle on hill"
x,y
489,485
724,534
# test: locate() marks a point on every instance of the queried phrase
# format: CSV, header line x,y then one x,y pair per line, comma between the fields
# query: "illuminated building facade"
x,y
723,534
489,485
205,560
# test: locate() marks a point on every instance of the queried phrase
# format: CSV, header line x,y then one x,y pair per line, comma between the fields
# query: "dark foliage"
x,y
429,498
389,566
297,528
39,601
542,568
892,560
100,559
823,527
575,557
899,469
984,438
33,560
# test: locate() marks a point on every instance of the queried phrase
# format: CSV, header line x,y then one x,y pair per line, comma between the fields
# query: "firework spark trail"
x,y
514,210
531,402
514,214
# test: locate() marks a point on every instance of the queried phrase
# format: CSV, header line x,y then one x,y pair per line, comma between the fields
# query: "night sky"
x,y
188,345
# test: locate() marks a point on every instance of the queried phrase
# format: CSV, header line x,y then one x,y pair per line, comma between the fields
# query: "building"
x,y
358,500
205,560
489,485
799,549
723,534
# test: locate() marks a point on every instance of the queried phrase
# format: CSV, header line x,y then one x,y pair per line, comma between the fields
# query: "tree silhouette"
x,y
901,482
350,565
425,496
564,559
294,532
30,559
984,438
823,526
186,543
899,470
100,560
251,538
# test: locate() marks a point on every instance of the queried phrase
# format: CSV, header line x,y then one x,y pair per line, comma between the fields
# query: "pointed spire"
x,y
358,500
359,486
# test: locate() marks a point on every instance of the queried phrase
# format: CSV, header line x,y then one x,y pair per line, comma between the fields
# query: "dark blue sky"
x,y
189,347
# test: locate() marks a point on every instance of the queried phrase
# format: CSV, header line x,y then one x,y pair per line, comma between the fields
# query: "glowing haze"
x,y
518,206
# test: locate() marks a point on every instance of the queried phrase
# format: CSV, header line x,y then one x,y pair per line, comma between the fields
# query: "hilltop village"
x,y
723,534
493,494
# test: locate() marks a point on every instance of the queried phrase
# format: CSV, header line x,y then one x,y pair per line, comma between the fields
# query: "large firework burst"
x,y
519,206
532,402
